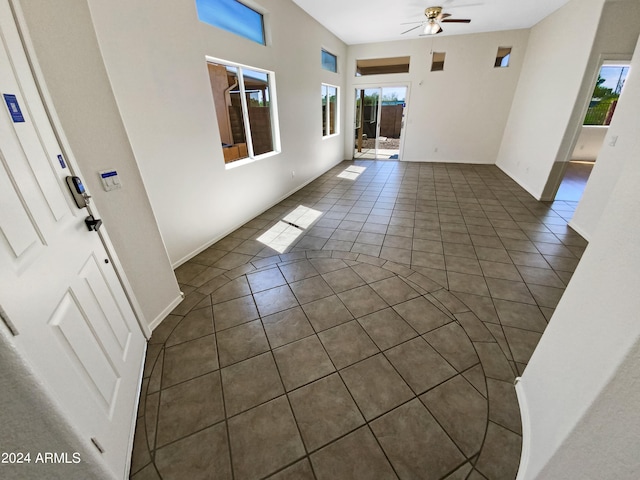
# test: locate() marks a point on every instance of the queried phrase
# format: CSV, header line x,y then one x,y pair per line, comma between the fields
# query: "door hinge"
x,y
5,319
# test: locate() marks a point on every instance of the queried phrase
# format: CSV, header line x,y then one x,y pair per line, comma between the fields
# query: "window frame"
x,y
327,119
324,50
385,66
439,65
606,120
258,11
501,60
273,110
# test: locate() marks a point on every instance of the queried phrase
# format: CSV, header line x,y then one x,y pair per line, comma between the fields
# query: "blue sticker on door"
x,y
14,108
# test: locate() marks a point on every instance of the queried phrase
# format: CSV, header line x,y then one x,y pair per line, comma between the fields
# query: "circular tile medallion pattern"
x,y
327,365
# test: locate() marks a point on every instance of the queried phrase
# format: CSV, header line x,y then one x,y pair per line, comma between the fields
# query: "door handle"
x,y
93,224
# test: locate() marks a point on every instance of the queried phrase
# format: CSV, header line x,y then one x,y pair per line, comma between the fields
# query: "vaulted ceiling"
x,y
367,21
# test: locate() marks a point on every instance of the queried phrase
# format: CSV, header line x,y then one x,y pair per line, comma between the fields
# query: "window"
x,y
232,16
329,110
503,57
605,94
437,61
377,66
329,61
244,99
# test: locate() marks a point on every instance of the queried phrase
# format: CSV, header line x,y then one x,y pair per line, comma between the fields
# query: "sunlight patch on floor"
x,y
352,172
302,216
284,233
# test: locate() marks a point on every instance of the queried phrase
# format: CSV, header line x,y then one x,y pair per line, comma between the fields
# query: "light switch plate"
x,y
110,180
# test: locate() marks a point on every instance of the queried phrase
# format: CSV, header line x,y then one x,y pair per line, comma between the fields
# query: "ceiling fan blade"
x,y
411,23
442,15
456,20
417,26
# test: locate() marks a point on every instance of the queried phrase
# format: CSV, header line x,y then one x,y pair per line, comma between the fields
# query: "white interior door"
x,y
57,286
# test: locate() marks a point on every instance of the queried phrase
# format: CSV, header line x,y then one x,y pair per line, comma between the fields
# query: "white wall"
x,y
461,111
67,50
32,422
154,53
615,40
555,63
581,385
589,142
604,444
620,26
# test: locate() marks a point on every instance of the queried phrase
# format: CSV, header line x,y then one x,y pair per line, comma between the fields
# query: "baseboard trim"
x,y
156,321
514,178
578,230
526,431
201,249
441,160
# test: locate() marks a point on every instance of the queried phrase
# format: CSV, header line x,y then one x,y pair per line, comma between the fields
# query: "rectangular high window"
x,y
244,99
232,16
329,61
329,110
437,61
503,57
381,66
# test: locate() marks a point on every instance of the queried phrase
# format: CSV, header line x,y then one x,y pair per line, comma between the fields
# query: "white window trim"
x,y
275,121
328,113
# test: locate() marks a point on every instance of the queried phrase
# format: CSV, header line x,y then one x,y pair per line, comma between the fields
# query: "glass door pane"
x,y
367,112
390,122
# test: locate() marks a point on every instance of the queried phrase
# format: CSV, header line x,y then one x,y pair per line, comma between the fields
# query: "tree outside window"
x,y
605,94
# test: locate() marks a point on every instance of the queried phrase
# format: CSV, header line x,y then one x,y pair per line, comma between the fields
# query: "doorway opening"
x,y
594,129
379,122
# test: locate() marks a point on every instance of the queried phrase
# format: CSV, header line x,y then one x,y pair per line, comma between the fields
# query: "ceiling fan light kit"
x,y
432,28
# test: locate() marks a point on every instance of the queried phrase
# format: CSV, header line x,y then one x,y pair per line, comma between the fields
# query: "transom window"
x,y
437,61
503,57
380,66
244,99
232,16
329,61
329,110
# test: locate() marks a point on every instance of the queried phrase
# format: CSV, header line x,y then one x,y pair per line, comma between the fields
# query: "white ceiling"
x,y
367,21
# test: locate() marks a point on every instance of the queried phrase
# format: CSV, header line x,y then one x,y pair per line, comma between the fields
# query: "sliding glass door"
x,y
379,122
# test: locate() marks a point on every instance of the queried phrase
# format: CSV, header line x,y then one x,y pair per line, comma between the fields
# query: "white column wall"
x,y
581,385
620,27
555,64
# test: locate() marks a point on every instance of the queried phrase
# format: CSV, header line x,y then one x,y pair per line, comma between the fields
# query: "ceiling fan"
x,y
435,17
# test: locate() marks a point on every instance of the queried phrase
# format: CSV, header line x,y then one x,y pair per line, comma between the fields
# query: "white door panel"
x,y
75,325
16,227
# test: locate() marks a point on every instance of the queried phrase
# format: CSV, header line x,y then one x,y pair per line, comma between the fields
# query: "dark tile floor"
x,y
574,180
369,326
